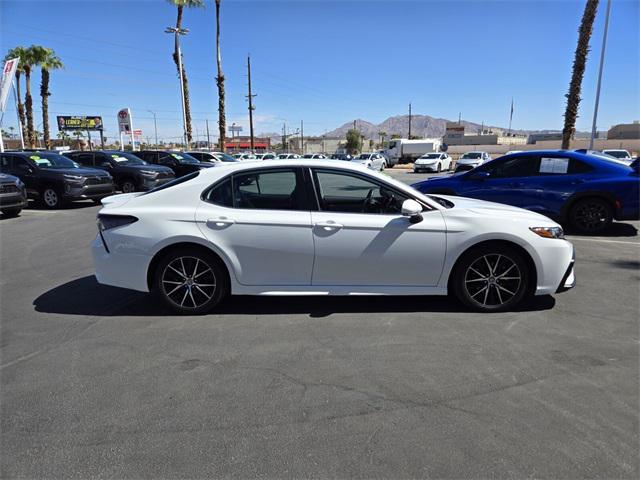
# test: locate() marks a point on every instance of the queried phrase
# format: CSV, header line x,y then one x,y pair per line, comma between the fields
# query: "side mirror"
x,y
106,165
25,168
481,175
413,210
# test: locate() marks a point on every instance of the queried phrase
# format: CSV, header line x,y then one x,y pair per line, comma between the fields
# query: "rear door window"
x,y
268,190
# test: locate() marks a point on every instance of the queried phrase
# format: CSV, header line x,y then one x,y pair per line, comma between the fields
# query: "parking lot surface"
x,y
101,382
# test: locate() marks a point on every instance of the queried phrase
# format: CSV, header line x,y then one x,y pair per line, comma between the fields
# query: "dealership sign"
x,y
8,72
79,123
124,121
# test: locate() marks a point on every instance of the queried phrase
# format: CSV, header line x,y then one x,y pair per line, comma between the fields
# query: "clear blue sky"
x,y
330,62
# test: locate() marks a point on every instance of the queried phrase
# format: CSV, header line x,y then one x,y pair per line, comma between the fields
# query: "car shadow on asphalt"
x,y
85,296
616,229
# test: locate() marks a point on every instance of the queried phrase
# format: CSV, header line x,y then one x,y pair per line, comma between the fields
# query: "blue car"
x,y
585,192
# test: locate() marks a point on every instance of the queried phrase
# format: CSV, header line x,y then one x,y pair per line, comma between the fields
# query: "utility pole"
x,y
604,46
177,32
208,138
409,121
302,136
251,107
155,126
459,118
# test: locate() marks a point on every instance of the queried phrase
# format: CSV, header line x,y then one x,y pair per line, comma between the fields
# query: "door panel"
x,y
378,249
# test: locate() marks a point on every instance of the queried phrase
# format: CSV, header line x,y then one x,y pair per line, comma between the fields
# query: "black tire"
x,y
128,186
97,201
51,197
439,168
503,289
179,289
11,212
590,215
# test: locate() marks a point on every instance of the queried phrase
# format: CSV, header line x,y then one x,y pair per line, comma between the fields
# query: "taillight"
x,y
107,222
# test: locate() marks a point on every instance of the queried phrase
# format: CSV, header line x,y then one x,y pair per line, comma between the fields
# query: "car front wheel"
x,y
51,198
128,186
590,215
491,279
191,282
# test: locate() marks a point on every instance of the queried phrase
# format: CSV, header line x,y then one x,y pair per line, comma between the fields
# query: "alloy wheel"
x,y
50,197
591,216
188,282
128,187
492,280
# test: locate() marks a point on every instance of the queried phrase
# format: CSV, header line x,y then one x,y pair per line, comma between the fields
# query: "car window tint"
x,y
85,159
270,190
576,166
514,167
4,163
341,192
221,194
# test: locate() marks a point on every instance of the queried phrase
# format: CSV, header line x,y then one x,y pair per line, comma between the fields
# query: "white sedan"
x,y
374,161
432,162
471,160
323,227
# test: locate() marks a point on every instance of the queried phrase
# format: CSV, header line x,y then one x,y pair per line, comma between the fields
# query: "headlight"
x,y
106,222
73,178
548,232
19,183
149,173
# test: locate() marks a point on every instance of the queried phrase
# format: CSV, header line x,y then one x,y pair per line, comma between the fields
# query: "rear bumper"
x,y
117,268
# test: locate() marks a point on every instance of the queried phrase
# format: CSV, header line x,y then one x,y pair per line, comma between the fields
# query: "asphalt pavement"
x,y
100,382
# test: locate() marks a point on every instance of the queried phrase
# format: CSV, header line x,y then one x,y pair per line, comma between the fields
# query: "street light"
x,y
155,126
177,32
604,46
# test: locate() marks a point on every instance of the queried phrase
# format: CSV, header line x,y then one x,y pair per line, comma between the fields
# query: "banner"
x,y
8,72
92,123
124,121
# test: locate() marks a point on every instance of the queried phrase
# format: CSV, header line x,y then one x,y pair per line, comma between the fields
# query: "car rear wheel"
x,y
11,212
51,197
191,282
491,279
590,215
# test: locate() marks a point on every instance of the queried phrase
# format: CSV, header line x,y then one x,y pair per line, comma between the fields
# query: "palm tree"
x,y
48,60
64,136
180,5
23,54
579,62
28,62
382,136
222,122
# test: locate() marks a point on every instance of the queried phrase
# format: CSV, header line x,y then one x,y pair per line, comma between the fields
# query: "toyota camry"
x,y
323,227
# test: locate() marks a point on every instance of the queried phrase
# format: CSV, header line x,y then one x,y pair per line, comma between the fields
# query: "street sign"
x,y
137,132
124,121
92,123
235,128
8,72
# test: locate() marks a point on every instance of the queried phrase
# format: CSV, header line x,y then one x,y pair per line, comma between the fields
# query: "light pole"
x,y
155,126
604,45
177,32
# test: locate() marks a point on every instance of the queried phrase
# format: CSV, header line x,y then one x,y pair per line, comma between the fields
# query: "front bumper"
x,y
13,200
150,183
569,279
425,167
84,192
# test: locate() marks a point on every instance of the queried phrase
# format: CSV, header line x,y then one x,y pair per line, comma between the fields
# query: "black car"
x,y
13,195
130,173
181,163
54,179
213,157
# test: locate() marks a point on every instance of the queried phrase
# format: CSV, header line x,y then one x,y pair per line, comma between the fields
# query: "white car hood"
x,y
425,161
494,210
469,161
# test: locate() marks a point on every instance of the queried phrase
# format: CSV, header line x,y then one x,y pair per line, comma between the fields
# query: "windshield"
x,y
363,156
616,153
52,160
225,157
184,158
471,155
431,155
123,158
307,155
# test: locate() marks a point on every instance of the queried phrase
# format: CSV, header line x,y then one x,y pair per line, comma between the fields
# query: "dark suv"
x,y
213,157
54,179
130,173
13,195
181,163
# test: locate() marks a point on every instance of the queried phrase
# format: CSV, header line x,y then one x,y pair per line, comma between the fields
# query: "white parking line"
x,y
601,240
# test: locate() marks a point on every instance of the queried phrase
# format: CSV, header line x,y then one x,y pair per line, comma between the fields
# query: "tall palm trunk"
x,y
222,122
185,83
21,115
44,94
579,63
28,103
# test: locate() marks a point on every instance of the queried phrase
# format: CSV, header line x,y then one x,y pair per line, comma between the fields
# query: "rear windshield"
x,y
175,182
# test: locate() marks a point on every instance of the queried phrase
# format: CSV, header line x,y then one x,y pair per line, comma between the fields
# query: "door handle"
x,y
328,226
219,222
